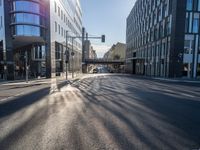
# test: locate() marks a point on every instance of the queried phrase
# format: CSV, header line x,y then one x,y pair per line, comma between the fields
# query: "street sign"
x,y
72,53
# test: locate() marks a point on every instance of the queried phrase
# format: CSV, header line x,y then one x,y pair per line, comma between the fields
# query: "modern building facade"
x,y
37,30
163,38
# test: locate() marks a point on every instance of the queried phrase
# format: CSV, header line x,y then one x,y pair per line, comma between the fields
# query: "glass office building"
x,y
36,29
163,38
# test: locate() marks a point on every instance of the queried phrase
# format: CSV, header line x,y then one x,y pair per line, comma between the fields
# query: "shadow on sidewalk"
x,y
18,103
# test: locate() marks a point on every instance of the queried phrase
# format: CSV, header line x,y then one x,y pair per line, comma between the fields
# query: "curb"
x,y
180,80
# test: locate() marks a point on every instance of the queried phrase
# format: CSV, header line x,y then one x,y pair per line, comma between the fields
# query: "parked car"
x,y
95,70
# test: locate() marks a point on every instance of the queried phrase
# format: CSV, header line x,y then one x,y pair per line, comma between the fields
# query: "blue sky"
x,y
106,17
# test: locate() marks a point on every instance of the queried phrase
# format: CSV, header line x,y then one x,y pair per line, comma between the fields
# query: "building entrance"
x,y
134,66
35,62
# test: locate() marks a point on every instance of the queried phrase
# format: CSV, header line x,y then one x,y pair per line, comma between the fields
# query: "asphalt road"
x,y
104,112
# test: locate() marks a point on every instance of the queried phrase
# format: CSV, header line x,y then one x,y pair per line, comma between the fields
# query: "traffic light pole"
x,y
83,52
26,65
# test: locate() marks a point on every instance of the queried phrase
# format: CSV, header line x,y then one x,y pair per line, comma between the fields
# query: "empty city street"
x,y
103,111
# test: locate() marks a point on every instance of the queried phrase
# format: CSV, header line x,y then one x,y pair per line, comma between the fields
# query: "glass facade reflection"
x,y
27,6
27,18
39,52
27,30
189,4
29,27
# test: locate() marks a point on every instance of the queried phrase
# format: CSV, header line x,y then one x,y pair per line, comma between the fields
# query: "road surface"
x,y
105,111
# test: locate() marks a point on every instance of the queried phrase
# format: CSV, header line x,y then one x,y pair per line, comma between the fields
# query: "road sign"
x,y
72,53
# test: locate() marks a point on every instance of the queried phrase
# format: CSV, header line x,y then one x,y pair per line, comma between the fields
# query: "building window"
x,y
189,44
61,15
195,5
164,10
198,5
186,23
39,52
26,18
161,30
59,29
196,23
55,26
26,6
0,2
159,15
189,4
190,23
62,31
27,30
58,51
55,7
58,11
1,22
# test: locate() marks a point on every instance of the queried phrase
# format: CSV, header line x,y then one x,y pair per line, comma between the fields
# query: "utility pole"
x,y
83,40
83,49
26,65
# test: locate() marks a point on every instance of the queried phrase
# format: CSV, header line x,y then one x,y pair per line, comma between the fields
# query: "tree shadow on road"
x,y
164,120
11,106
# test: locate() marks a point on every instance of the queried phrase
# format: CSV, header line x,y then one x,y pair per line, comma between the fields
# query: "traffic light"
x,y
103,38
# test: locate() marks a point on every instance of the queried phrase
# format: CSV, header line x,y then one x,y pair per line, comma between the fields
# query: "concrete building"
x,y
93,54
90,53
163,38
116,52
38,27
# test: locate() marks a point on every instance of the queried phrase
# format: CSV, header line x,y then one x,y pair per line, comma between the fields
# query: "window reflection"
x,y
26,30
26,18
189,4
39,52
58,51
26,6
195,25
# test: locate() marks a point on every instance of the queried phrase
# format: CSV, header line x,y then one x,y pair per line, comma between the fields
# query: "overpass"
x,y
104,61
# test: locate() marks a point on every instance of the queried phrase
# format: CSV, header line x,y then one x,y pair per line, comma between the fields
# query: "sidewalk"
x,y
183,80
13,89
42,80
178,80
